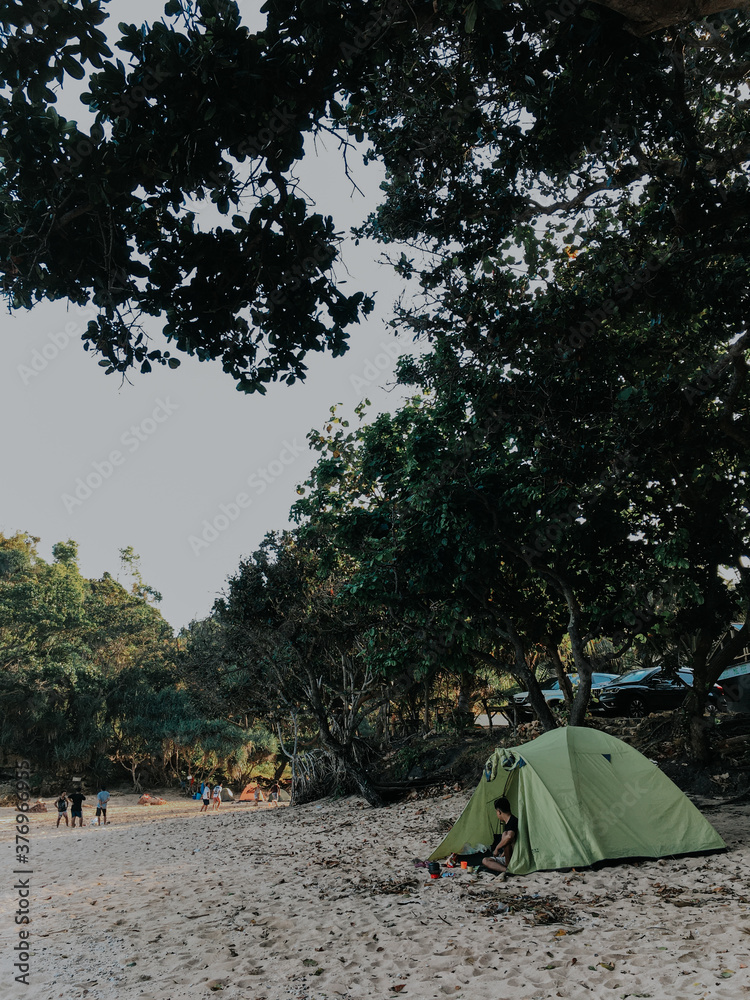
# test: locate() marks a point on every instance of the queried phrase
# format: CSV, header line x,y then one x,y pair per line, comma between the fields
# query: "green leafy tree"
x,y
302,647
436,517
53,712
131,563
152,717
217,682
587,298
637,466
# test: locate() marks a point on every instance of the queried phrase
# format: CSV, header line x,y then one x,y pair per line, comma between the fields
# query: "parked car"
x,y
639,692
553,694
734,684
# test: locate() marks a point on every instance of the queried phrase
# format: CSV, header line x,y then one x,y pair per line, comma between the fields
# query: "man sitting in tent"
x,y
505,840
502,843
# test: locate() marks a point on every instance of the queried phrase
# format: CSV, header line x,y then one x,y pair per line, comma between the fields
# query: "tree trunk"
x,y
526,678
522,671
707,667
360,778
581,700
582,663
342,752
565,686
540,707
134,775
465,688
352,769
697,725
486,707
700,746
691,725
293,755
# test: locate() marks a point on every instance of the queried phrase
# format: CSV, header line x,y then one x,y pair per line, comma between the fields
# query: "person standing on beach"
x,y
62,809
256,794
76,808
206,794
217,796
275,793
101,806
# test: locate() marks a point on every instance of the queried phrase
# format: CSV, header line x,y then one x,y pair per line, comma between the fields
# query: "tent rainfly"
x,y
248,793
580,796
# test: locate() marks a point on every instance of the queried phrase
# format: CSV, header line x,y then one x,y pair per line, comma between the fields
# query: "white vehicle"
x,y
553,694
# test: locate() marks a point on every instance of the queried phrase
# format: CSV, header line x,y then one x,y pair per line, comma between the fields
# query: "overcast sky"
x,y
159,463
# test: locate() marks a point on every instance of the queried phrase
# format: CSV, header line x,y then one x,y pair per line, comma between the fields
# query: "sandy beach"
x,y
324,901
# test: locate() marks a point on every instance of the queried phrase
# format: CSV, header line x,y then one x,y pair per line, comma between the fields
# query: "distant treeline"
x,y
90,678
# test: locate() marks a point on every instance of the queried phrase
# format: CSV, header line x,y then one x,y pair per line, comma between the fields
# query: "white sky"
x,y
175,472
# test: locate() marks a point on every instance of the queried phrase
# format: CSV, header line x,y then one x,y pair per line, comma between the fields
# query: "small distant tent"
x,y
248,793
580,796
226,794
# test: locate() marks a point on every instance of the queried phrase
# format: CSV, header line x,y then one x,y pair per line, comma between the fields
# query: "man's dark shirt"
x,y
511,826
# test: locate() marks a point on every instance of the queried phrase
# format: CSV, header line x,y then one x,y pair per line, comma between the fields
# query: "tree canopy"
x,y
620,123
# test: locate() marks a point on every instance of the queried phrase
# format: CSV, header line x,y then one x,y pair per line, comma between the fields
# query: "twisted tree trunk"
x,y
465,689
565,686
521,669
342,750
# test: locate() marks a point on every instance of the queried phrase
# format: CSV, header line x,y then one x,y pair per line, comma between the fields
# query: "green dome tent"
x,y
580,796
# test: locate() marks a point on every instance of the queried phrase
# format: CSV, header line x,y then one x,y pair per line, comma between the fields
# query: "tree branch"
x,y
644,17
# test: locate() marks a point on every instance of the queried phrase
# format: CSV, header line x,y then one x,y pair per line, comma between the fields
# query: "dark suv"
x,y
639,692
